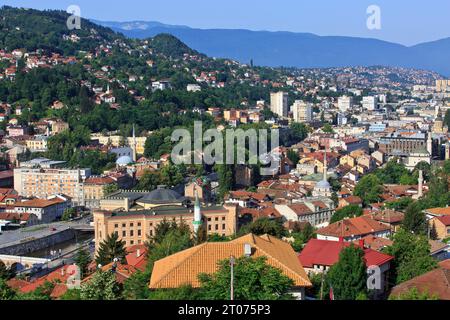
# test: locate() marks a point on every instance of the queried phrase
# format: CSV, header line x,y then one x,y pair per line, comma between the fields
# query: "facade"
x,y
37,144
117,141
279,103
317,212
303,112
345,103
43,183
134,227
94,190
46,210
369,103
442,226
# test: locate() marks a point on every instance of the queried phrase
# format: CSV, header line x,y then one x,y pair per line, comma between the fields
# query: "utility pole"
x,y
232,261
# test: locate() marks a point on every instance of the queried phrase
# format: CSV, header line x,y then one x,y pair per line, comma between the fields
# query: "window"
x,y
139,224
131,233
124,233
217,227
151,232
209,227
223,226
217,219
131,242
139,233
209,219
116,226
131,225
123,225
223,218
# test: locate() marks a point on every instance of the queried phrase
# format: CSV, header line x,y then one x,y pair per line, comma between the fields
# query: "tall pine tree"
x,y
110,249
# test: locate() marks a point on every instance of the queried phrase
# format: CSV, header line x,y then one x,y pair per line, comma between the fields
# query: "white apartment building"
x,y
43,183
369,103
279,103
303,112
345,103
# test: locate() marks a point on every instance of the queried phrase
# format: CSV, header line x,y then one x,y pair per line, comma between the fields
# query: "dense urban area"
x,y
93,207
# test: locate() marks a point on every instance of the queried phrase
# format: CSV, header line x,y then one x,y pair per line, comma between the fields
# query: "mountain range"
x,y
302,50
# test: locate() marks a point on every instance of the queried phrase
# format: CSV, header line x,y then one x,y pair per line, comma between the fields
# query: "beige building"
x,y
134,227
303,112
42,183
119,141
443,86
37,143
59,126
279,103
94,190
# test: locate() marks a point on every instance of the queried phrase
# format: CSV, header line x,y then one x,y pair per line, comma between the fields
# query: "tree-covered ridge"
x,y
33,29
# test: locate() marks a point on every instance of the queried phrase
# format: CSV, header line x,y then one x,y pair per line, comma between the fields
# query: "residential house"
x,y
184,267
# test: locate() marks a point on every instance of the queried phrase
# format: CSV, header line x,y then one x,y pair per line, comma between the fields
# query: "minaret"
x,y
197,213
325,166
133,145
420,191
430,144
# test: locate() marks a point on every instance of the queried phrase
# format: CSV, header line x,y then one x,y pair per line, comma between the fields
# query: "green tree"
x,y
412,256
5,272
110,189
369,189
254,280
299,132
262,226
102,286
327,128
348,277
110,249
68,214
185,292
6,293
414,294
82,260
415,219
349,211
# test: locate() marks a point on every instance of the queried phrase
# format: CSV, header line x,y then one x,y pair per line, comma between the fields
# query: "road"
x,y
9,238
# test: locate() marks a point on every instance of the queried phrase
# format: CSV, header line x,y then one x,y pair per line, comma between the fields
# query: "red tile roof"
x,y
326,253
359,226
435,282
445,220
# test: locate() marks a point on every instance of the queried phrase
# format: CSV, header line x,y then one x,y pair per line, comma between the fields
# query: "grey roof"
x,y
162,196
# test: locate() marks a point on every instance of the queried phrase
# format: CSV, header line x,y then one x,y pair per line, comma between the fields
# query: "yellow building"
x,y
134,227
37,144
118,141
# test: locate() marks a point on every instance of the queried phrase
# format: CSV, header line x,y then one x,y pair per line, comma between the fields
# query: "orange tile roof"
x,y
439,211
185,266
359,226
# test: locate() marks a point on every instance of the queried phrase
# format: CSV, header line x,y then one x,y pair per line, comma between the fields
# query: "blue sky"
x,y
403,21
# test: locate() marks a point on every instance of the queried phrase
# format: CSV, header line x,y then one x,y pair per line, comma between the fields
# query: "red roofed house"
x,y
46,210
319,255
436,283
442,226
350,200
354,229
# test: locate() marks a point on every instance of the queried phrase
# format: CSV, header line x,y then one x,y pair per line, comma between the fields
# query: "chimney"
x,y
138,253
361,243
341,239
247,250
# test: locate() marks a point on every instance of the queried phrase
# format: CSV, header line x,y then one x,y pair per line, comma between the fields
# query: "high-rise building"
x,y
303,112
345,103
279,103
442,85
369,103
43,183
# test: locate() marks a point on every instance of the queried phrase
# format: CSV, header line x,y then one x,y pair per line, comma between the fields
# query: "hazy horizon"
x,y
403,22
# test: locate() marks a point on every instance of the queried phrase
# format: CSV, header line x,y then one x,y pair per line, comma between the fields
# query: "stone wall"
x,y
38,244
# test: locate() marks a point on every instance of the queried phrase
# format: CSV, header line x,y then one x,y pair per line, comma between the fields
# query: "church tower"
x,y
134,145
